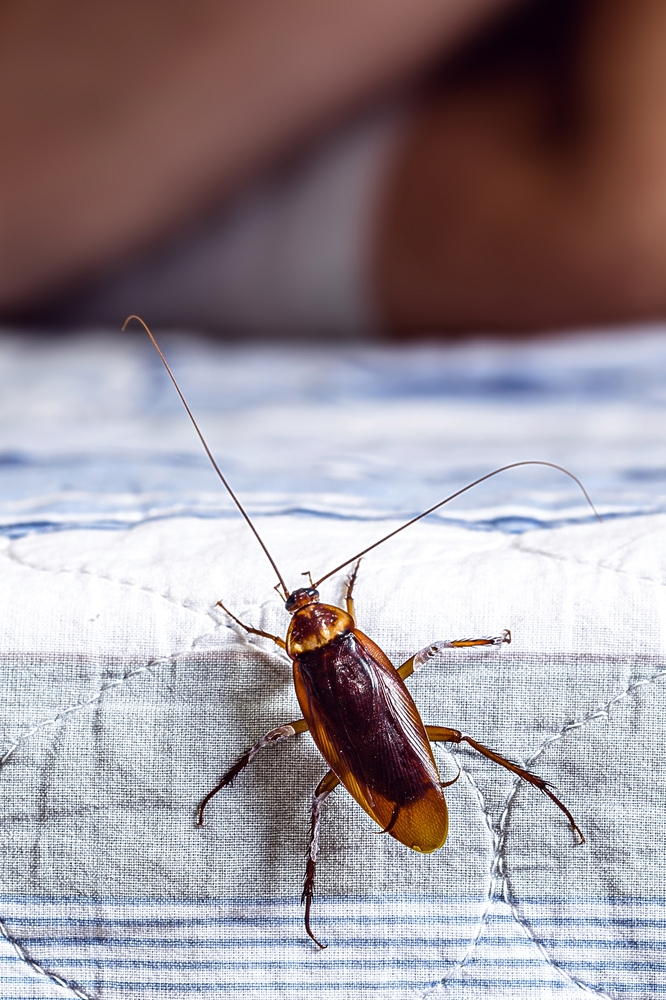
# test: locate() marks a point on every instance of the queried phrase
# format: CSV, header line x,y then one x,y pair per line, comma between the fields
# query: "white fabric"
x,y
127,692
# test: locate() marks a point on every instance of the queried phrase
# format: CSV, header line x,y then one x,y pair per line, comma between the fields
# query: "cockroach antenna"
x,y
482,479
210,456
358,710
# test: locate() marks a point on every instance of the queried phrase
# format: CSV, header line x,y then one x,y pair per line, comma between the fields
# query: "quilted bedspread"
x,y
127,691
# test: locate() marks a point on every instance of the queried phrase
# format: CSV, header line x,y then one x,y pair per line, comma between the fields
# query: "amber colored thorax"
x,y
313,625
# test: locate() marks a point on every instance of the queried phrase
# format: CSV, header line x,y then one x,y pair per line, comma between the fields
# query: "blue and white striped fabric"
x,y
127,692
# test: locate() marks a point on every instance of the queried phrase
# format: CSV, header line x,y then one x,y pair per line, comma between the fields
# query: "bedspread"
x,y
127,691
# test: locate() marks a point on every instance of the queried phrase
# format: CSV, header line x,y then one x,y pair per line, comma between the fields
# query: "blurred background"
x,y
333,168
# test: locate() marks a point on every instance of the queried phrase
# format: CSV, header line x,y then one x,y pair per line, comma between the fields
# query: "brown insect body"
x,y
358,710
365,724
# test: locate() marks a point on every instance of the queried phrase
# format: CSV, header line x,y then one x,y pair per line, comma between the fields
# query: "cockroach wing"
x,y
368,729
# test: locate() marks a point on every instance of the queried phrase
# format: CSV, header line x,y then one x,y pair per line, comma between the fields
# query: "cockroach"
x,y
356,705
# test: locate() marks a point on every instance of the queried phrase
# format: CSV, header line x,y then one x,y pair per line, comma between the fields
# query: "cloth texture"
x,y
127,691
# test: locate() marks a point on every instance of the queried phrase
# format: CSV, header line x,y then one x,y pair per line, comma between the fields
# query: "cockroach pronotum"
x,y
357,708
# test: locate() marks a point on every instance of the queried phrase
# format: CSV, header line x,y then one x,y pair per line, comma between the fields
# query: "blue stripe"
x,y
270,987
226,942
348,942
369,899
516,525
406,966
266,920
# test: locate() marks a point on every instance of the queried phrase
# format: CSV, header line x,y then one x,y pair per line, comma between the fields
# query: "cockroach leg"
x,y
254,631
275,735
442,734
360,714
322,791
393,820
350,590
447,784
419,659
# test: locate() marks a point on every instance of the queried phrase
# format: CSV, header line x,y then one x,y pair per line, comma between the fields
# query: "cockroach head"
x,y
299,598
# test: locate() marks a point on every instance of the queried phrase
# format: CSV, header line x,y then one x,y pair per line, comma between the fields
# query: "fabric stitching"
x,y
490,895
76,706
247,640
578,561
80,571
499,884
39,969
146,668
571,727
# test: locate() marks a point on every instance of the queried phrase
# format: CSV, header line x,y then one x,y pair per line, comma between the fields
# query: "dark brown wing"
x,y
369,731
